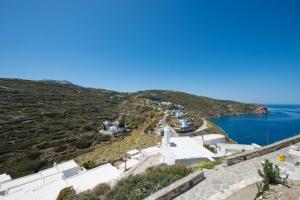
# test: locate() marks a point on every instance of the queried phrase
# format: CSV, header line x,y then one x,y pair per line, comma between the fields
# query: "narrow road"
x,y
203,126
164,123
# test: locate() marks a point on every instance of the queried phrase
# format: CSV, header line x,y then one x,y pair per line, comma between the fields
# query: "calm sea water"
x,y
281,123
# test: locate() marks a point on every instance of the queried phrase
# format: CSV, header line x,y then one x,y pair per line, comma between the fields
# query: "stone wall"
x,y
179,187
232,160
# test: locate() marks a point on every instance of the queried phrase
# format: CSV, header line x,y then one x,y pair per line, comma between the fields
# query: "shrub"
x,y
261,188
30,166
271,175
4,148
83,143
103,138
87,128
88,195
206,165
60,148
140,186
43,145
89,164
210,148
101,189
32,155
67,193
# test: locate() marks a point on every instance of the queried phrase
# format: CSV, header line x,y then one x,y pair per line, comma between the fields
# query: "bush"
x,y
83,143
4,148
60,148
98,193
271,175
87,128
86,196
67,193
30,166
206,165
103,138
32,155
89,164
101,189
140,186
210,148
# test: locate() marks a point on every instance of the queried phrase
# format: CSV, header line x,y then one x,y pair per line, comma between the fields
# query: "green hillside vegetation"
x,y
198,105
46,122
42,122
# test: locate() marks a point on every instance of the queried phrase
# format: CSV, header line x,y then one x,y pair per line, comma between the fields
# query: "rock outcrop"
x,y
261,110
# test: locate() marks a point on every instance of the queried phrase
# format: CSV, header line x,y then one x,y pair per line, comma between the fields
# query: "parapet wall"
x,y
179,187
232,160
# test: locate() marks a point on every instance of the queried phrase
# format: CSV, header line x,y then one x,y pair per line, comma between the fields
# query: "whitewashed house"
x,y
228,149
211,139
183,150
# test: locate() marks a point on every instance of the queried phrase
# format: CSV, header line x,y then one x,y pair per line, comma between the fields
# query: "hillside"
x,y
46,121
204,106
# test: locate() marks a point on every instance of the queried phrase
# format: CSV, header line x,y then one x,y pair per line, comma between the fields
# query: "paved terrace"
x,y
221,181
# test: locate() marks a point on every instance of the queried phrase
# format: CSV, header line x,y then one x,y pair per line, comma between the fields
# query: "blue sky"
x,y
240,50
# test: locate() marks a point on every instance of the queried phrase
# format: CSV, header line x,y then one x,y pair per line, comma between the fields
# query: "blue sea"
x,y
282,122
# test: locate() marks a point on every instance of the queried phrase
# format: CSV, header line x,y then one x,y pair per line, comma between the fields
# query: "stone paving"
x,y
224,180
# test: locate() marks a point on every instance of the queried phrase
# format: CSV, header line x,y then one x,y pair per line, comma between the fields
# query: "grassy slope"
x,y
113,150
198,105
43,122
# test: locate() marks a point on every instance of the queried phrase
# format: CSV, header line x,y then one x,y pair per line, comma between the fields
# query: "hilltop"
x,y
46,121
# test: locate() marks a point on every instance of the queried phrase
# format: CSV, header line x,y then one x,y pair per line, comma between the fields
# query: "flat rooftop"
x,y
187,148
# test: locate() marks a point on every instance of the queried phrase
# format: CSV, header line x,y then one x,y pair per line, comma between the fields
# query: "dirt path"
x,y
203,127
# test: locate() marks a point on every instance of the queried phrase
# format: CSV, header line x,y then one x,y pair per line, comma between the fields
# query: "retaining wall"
x,y
232,160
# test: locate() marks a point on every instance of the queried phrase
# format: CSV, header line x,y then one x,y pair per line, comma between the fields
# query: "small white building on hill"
x,y
184,150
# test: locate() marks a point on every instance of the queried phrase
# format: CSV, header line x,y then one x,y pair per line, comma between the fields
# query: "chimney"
x,y
167,136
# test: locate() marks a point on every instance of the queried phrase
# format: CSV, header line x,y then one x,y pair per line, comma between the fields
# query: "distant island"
x,y
48,121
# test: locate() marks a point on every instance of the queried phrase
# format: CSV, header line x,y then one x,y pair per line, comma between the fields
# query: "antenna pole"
x,y
267,137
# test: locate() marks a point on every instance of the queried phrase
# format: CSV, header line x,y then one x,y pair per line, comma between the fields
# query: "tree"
x,y
271,176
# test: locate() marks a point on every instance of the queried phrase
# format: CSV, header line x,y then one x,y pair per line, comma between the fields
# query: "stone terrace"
x,y
224,180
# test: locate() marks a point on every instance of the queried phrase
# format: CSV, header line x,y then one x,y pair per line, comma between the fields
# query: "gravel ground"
x,y
278,192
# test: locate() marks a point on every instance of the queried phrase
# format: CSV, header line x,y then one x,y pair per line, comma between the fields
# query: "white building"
x,y
179,114
228,149
166,103
4,177
150,151
183,150
211,139
47,184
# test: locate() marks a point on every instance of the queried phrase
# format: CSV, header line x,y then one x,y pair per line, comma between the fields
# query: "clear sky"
x,y
240,50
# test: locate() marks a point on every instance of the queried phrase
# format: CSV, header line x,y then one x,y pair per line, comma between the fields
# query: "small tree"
x,y
67,193
271,175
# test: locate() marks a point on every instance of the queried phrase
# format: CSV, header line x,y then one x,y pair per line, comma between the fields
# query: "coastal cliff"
x,y
261,109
